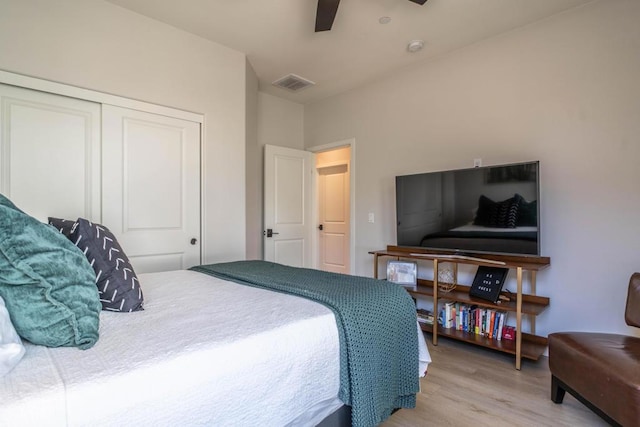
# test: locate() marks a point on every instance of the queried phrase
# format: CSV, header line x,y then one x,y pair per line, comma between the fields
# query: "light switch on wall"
x,y
371,217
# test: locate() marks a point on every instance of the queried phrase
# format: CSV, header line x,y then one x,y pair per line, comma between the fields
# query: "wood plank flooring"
x,y
471,386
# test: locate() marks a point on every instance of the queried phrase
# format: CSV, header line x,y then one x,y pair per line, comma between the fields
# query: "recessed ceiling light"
x,y
415,46
384,20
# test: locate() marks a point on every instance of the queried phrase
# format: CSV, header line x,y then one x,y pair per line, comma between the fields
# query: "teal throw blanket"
x,y
376,325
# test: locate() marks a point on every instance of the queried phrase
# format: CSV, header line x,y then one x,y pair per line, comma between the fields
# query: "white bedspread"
x,y
203,352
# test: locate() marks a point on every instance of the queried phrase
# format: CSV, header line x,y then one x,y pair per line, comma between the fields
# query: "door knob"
x,y
194,241
320,227
270,232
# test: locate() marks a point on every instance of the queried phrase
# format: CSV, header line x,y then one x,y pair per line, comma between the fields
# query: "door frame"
x,y
315,241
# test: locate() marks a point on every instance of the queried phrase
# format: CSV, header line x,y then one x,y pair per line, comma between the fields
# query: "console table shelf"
x,y
533,346
525,345
531,304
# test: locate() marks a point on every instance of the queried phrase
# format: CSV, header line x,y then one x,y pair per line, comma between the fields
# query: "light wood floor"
x,y
471,386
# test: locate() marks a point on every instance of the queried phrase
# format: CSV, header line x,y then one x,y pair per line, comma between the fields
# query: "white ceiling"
x,y
278,35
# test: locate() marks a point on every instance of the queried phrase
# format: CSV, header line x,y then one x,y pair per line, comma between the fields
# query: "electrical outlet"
x,y
477,163
371,217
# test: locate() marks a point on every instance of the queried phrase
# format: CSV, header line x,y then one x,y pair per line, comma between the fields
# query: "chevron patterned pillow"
x,y
527,212
64,226
116,280
502,214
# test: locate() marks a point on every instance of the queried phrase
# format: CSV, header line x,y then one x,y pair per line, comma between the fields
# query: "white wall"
x,y
279,122
100,46
563,91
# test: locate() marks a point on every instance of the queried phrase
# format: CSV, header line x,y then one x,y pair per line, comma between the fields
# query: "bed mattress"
x,y
203,352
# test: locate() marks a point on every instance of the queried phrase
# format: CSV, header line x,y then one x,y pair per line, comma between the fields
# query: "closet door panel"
x,y
50,153
151,187
153,209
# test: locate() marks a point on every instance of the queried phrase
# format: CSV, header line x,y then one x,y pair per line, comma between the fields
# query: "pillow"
x,y
502,214
8,203
116,280
64,226
527,212
47,284
11,348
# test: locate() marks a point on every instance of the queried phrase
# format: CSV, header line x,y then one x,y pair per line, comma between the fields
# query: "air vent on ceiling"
x,y
293,83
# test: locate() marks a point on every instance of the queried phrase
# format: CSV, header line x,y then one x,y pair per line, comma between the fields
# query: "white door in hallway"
x,y
334,218
288,189
151,187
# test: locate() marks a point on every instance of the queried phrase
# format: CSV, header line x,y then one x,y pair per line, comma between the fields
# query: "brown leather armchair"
x,y
601,370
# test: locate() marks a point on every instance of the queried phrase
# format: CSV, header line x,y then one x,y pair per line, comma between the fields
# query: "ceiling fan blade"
x,y
420,2
325,14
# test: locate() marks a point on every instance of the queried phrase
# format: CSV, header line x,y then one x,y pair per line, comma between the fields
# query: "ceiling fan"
x,y
327,9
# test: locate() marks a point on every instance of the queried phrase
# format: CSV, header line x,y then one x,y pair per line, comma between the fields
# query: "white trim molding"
x,y
48,86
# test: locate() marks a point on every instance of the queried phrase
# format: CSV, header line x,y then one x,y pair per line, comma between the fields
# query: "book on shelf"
x,y
508,333
464,318
449,314
503,318
492,319
425,316
483,322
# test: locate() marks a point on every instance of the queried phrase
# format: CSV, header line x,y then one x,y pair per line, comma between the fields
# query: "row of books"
x,y
488,322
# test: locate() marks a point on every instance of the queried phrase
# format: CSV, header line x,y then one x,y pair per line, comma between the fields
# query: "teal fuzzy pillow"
x,y
8,203
47,283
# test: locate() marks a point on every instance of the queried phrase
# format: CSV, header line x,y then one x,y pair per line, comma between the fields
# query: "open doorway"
x,y
334,210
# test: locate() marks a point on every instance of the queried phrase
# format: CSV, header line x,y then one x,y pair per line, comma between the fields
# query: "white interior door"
x,y
151,187
288,187
334,215
50,153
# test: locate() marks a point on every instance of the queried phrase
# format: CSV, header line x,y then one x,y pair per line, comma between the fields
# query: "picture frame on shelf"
x,y
404,273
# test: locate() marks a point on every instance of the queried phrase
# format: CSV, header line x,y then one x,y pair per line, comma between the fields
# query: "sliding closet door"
x,y
50,153
151,187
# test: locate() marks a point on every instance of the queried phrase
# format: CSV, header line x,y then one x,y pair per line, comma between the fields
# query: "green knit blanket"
x,y
376,325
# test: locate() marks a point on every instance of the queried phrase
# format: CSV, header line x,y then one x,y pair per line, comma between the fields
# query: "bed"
x,y
215,345
204,351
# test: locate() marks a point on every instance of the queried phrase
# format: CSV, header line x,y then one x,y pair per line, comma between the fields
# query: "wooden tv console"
x,y
525,345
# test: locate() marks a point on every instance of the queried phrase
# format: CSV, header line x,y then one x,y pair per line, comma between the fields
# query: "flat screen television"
x,y
492,209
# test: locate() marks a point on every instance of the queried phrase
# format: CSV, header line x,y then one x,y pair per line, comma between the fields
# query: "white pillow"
x,y
11,348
